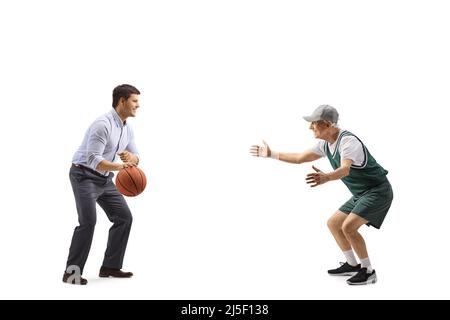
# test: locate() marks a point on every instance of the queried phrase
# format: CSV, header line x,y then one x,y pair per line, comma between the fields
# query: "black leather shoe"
x,y
75,279
115,273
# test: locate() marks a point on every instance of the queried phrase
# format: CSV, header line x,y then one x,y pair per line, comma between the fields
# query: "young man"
x,y
91,179
363,176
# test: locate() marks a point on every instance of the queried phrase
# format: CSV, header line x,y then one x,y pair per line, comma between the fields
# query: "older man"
x,y
364,177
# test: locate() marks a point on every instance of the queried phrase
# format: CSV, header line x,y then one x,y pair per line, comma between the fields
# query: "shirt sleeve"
x,y
98,136
319,149
131,146
351,148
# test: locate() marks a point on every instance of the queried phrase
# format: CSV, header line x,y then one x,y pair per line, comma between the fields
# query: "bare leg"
x,y
350,230
335,223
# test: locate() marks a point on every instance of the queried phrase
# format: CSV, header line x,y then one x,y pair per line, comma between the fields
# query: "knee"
x,y
129,219
348,229
126,219
88,223
333,224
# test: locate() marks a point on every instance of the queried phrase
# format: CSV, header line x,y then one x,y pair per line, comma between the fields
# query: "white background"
x,y
216,77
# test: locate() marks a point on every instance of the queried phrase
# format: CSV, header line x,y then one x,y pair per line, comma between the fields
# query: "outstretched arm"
x,y
306,156
264,151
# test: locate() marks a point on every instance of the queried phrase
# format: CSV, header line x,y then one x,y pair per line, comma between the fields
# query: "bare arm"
x,y
265,152
106,165
342,171
298,158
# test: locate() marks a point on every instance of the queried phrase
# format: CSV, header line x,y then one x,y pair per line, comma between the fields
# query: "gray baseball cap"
x,y
324,112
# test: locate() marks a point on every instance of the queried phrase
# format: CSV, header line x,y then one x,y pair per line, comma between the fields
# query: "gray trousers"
x,y
88,190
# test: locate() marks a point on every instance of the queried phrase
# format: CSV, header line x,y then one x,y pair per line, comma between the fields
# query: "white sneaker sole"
x,y
371,280
348,274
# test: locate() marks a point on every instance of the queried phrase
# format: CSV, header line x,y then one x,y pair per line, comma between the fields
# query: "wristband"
x,y
275,155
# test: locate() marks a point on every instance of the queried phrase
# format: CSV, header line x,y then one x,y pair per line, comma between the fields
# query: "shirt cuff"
x,y
93,161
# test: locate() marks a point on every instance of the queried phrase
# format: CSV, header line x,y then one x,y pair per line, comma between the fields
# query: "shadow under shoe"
x,y
345,270
115,273
70,278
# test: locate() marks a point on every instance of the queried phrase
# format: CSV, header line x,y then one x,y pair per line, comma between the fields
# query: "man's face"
x,y
319,128
131,105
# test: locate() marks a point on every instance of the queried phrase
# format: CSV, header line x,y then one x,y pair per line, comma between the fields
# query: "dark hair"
x,y
123,91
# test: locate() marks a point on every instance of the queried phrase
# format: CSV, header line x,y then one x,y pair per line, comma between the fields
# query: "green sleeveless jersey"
x,y
361,178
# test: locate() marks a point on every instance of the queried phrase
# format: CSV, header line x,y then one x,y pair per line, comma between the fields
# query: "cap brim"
x,y
310,118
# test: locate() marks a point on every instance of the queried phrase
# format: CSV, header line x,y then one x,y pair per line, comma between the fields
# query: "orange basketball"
x,y
131,181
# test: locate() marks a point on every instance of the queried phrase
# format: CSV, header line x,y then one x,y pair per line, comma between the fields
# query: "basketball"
x,y
131,181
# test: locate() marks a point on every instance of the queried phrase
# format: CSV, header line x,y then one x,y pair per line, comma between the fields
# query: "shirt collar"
x,y
117,118
341,131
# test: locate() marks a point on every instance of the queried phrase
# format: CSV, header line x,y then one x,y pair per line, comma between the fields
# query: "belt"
x,y
89,170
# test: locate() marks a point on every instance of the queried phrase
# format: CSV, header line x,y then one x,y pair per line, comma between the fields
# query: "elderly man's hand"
x,y
317,178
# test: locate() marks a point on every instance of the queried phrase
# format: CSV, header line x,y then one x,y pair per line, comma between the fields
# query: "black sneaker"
x,y
345,270
363,277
